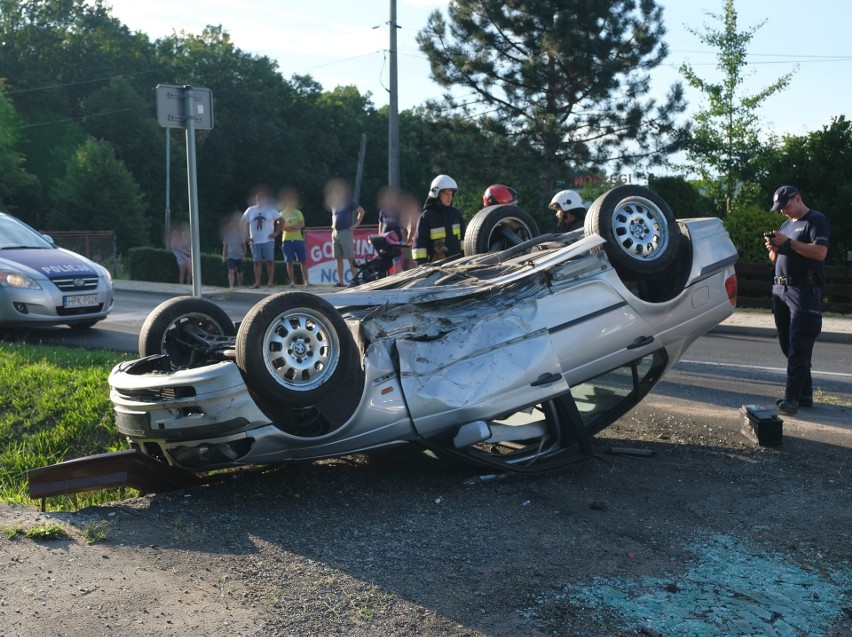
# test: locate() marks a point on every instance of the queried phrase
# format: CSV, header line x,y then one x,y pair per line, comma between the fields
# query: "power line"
x,y
77,119
349,59
796,56
81,82
839,59
414,55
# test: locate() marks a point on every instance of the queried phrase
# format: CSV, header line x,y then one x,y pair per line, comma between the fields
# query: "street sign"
x,y
171,106
190,109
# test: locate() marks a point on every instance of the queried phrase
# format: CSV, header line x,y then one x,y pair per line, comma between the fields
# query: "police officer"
x,y
441,225
798,250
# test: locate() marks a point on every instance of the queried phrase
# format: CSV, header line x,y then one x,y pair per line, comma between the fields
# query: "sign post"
x,y
191,109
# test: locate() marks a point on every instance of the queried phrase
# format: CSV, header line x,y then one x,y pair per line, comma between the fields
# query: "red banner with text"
x,y
322,267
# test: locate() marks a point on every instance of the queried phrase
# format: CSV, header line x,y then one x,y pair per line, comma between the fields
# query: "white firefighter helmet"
x,y
566,200
442,182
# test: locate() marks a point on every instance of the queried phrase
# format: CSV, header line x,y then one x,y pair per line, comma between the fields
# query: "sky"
x,y
341,42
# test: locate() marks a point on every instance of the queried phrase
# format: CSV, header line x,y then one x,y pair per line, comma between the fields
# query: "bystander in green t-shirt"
x,y
292,218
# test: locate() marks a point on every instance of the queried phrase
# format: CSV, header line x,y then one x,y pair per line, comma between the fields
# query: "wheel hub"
x,y
300,349
638,229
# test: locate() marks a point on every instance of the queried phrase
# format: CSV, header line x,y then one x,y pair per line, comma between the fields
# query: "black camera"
x,y
769,235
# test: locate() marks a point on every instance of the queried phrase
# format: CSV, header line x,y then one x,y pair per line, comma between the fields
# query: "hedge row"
x,y
159,265
746,228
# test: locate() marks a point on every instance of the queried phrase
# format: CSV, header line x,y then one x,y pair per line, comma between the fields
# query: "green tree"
x,y
13,175
48,141
570,77
76,73
54,53
118,114
432,143
819,164
725,147
53,56
746,226
99,193
683,197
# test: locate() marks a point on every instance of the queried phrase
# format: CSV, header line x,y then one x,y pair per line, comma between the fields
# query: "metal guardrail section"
x,y
130,468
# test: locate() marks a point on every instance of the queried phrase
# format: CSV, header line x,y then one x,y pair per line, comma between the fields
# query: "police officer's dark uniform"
x,y
796,292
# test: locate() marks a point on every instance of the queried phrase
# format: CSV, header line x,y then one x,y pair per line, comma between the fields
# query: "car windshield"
x,y
17,235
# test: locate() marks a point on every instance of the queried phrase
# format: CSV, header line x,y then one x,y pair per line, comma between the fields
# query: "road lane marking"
x,y
782,370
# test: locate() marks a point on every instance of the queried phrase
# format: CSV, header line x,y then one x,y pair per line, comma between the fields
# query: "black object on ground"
x,y
761,425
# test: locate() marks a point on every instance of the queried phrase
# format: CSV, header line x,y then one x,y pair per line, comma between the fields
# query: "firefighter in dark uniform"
x,y
798,250
441,226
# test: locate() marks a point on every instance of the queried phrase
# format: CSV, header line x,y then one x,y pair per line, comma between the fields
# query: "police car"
x,y
42,284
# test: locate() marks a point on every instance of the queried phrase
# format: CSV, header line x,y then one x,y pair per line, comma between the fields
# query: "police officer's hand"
x,y
779,239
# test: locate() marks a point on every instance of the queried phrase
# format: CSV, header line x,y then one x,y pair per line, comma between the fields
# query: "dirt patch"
x,y
712,535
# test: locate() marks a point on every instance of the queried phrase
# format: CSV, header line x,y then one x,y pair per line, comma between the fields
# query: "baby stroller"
x,y
387,247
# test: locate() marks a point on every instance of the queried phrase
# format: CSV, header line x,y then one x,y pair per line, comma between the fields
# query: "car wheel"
x,y
180,326
295,349
640,230
497,228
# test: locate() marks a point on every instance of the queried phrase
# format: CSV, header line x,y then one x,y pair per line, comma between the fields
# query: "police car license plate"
x,y
81,300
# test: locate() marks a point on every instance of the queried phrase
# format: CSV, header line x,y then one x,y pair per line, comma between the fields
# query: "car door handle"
x,y
546,379
641,342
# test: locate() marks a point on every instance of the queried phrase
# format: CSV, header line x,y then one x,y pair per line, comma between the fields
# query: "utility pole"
x,y
393,114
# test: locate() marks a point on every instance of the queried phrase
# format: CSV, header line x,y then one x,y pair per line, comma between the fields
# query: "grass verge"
x,y
55,406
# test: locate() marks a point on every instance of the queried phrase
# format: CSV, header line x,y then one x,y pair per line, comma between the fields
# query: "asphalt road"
x,y
120,330
734,364
719,369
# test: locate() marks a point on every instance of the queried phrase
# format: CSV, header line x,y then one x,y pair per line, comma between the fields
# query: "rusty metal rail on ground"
x,y
130,468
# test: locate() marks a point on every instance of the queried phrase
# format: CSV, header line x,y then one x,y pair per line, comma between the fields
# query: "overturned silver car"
x,y
510,359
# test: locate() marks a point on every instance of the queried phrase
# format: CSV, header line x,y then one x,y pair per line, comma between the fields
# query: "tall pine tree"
x,y
570,76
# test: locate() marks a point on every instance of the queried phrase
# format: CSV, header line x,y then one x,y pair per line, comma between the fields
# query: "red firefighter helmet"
x,y
499,194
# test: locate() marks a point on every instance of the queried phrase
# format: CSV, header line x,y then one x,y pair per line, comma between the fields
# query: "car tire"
x,y
497,228
167,328
640,230
294,349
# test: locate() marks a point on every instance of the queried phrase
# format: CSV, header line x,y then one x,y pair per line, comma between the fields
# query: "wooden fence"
x,y
754,287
